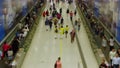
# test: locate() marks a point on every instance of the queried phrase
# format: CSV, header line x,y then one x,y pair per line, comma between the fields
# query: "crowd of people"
x,y
54,20
9,51
98,30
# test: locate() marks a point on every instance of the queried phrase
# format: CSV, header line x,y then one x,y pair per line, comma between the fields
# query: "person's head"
x,y
111,37
5,42
116,55
10,48
55,26
66,25
103,37
113,50
103,60
61,26
59,58
118,50
25,27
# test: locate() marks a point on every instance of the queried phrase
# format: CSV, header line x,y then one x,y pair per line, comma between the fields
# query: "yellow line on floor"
x,y
61,44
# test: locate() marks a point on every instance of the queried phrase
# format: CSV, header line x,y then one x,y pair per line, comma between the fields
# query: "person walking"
x,y
103,64
75,12
47,24
78,27
47,13
62,20
111,55
72,35
104,43
116,61
50,9
58,63
76,24
61,32
10,55
66,30
71,15
44,14
67,11
5,48
61,11
79,24
111,43
50,24
15,45
56,31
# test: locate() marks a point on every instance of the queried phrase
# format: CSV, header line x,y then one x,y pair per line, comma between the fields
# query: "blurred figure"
x,y
44,14
76,24
58,63
75,12
118,51
71,15
104,43
66,30
67,11
72,35
15,45
111,43
10,55
61,32
103,64
56,31
62,20
116,61
50,24
47,24
47,13
111,55
60,11
5,49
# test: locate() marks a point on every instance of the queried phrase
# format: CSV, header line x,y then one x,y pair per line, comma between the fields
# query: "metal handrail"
x,y
107,34
8,35
107,31
15,28
90,36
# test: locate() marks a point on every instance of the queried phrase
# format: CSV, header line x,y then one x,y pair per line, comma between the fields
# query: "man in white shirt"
x,y
116,61
111,43
112,54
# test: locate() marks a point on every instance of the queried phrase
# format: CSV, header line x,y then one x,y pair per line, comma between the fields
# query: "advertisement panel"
x,y
118,23
96,8
2,31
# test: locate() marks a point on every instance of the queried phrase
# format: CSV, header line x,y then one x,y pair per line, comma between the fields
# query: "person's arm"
x,y
112,61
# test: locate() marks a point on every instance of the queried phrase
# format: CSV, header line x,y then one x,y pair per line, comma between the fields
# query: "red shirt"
x,y
44,14
71,14
5,47
58,16
59,65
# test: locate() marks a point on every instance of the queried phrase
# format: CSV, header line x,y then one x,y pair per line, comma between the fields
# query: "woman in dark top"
x,y
15,45
118,51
